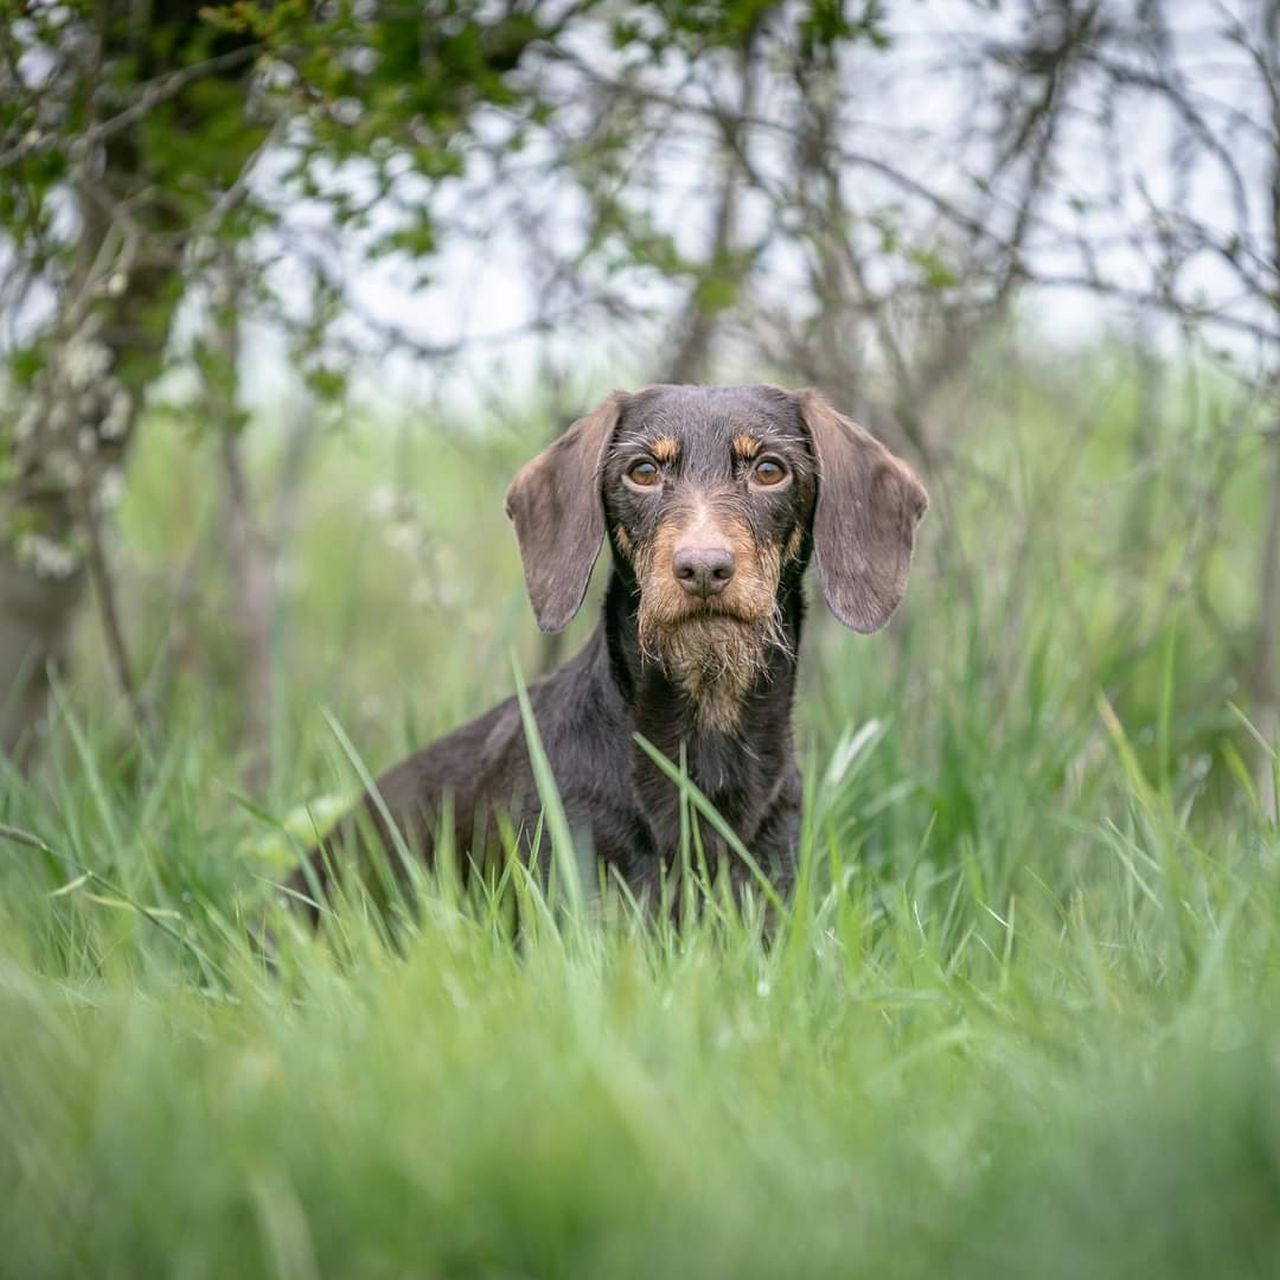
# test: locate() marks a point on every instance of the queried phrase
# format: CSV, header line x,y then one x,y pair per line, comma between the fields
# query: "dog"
x,y
713,500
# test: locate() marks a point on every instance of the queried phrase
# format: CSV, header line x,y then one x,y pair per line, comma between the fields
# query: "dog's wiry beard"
x,y
715,658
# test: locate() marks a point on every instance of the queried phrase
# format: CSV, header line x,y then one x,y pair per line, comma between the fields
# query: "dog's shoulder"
x,y
575,712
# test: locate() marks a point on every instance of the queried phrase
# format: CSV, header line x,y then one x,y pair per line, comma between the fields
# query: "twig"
x,y
109,615
153,93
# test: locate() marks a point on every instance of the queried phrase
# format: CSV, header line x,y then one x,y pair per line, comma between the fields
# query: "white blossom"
x,y
85,362
110,488
47,557
28,419
116,422
60,417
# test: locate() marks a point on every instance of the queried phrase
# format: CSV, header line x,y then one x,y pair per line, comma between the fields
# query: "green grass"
x,y
1021,1018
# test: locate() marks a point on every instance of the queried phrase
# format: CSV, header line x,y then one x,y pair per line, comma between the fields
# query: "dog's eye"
x,y
769,471
644,473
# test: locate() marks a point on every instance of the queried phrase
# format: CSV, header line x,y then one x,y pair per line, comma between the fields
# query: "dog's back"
x,y
478,772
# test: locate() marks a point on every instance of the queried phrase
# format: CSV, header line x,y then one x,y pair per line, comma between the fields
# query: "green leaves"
x,y
937,274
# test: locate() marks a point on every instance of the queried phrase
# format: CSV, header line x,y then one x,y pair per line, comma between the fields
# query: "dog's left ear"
x,y
864,524
556,505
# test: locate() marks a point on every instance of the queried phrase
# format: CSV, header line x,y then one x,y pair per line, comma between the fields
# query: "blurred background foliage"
x,y
1033,247
288,292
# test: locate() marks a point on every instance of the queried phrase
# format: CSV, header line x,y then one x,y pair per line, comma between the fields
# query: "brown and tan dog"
x,y
713,500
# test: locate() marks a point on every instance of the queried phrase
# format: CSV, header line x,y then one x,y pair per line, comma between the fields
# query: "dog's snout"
x,y
703,571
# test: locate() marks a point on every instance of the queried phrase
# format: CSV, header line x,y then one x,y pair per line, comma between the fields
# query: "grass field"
x,y
1022,1018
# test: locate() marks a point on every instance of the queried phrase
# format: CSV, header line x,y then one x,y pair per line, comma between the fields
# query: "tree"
x,y
112,154
1188,229
129,137
130,140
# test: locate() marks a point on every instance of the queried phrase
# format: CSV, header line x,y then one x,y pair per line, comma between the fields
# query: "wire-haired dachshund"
x,y
713,501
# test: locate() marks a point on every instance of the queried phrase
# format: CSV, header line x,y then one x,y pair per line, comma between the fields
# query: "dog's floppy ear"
x,y
864,525
556,505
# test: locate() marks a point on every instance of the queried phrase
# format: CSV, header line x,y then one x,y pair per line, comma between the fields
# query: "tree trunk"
x,y
34,625
250,569
250,559
71,437
1265,673
691,359
103,348
696,328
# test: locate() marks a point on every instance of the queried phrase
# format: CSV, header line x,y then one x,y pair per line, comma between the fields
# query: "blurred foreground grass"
x,y
1022,1022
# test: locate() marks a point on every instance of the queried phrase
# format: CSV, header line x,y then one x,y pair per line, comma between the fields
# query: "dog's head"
x,y
711,498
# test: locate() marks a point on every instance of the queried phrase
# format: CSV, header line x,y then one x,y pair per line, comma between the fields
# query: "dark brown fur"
x,y
710,674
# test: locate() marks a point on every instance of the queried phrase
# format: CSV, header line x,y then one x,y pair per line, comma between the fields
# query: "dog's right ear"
x,y
558,510
864,524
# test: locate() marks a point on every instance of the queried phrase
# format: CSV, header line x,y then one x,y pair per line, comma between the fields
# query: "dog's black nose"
x,y
703,571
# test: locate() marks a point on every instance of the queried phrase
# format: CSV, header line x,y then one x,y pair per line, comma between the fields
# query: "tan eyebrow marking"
x,y
665,448
745,446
